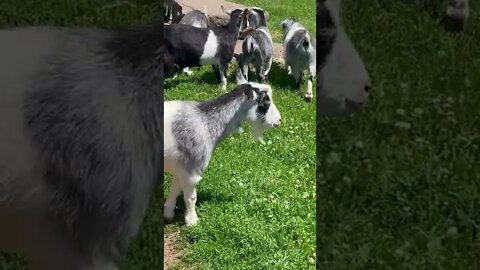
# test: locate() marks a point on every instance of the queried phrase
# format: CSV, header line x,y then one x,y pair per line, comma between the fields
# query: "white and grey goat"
x,y
189,46
257,47
194,129
299,53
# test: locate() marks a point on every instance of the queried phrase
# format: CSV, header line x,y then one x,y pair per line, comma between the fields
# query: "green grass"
x,y
256,203
398,185
146,252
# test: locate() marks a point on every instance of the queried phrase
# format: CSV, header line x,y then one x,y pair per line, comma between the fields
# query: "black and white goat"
x,y
257,46
197,19
81,142
188,46
299,53
194,129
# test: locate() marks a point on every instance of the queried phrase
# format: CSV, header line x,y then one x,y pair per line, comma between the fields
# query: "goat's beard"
x,y
257,130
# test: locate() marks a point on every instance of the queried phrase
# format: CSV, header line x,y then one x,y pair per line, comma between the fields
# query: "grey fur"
x,y
81,139
299,53
257,48
195,18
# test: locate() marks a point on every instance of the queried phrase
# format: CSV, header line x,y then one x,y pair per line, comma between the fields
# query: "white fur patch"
x,y
210,50
171,109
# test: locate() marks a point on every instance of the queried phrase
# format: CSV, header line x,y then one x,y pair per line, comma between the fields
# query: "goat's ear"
x,y
250,92
228,11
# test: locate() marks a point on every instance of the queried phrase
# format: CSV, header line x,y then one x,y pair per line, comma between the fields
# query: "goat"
x,y
193,130
299,53
257,46
198,19
81,138
188,46
343,81
256,17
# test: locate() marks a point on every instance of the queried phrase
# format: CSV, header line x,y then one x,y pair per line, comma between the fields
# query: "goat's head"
x,y
254,18
342,79
236,16
263,113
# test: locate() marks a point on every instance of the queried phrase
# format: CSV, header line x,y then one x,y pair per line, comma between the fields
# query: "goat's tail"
x,y
306,41
205,11
249,45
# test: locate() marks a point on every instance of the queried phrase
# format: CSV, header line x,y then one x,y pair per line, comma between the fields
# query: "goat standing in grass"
x,y
257,46
299,54
194,129
189,46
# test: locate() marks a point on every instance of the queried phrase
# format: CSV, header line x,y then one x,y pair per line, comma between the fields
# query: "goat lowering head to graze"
x,y
198,19
194,129
81,142
188,46
299,53
257,47
343,82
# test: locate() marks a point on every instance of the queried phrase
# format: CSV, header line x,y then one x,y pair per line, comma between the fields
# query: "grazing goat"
x,y
299,53
188,46
194,129
343,81
256,17
197,19
81,142
257,47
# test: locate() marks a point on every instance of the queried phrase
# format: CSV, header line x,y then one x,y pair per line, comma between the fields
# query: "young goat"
x,y
194,129
257,46
299,53
197,19
81,142
189,46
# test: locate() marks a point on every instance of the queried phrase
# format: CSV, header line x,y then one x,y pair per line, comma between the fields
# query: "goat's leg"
x,y
223,75
311,74
260,71
216,70
244,66
171,202
190,198
187,71
457,13
298,76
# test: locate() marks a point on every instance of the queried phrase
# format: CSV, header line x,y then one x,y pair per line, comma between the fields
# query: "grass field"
x,y
256,203
398,184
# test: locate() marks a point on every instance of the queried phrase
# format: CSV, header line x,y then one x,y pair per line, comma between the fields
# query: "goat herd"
x,y
193,130
81,123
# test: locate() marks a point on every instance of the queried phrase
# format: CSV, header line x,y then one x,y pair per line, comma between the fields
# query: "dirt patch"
x,y
171,256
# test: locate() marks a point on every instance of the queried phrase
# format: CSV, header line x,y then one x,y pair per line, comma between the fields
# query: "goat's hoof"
x,y
308,98
191,220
